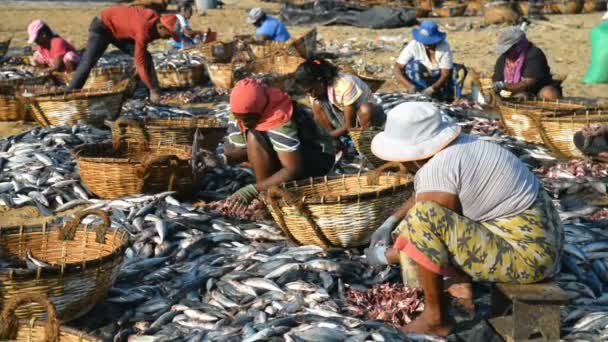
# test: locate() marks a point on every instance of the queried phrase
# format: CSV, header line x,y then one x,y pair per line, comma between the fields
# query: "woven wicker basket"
x,y
216,52
35,330
450,10
522,119
592,6
110,174
266,48
4,44
87,106
85,263
340,211
165,136
567,6
221,74
277,70
498,12
102,78
181,77
304,46
558,131
362,138
12,105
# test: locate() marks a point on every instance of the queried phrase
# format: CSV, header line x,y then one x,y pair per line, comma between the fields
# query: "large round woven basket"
x,y
215,52
164,136
86,106
181,77
558,130
266,48
276,71
522,118
35,330
12,106
567,6
340,211
111,173
103,78
4,44
592,6
84,264
221,74
362,138
498,12
450,10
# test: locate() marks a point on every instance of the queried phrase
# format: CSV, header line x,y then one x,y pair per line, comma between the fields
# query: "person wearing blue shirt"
x,y
268,28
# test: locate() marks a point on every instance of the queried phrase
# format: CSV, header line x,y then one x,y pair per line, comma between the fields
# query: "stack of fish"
x,y
15,74
139,108
175,60
36,168
194,95
209,278
114,59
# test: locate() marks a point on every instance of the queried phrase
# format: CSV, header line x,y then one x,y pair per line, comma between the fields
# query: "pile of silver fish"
x,y
15,74
113,59
36,168
175,60
140,108
194,95
191,274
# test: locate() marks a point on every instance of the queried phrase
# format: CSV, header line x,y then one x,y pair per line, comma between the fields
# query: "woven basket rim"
x,y
534,104
576,117
187,121
63,330
73,267
317,181
77,94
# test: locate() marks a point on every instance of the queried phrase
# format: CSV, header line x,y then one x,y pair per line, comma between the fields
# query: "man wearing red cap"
x,y
130,29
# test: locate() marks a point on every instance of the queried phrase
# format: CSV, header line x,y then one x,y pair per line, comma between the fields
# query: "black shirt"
x,y
535,67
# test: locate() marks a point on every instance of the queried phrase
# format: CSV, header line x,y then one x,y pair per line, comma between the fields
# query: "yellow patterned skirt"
x,y
524,248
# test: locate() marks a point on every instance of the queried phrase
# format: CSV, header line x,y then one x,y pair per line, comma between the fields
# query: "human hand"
x,y
242,197
498,86
428,91
593,130
382,235
376,256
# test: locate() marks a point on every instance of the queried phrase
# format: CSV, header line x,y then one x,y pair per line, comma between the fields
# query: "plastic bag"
x,y
598,67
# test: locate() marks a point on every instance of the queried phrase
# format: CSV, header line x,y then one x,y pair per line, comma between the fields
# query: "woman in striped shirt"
x,y
340,101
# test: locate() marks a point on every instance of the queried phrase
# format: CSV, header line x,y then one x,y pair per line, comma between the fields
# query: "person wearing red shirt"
x,y
130,29
52,51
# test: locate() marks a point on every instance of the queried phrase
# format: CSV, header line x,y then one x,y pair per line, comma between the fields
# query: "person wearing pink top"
x,y
52,51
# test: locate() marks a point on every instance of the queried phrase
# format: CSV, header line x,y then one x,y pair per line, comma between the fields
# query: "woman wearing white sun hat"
x,y
478,213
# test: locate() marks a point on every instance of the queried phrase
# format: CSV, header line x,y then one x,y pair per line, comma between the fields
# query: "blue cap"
x,y
428,33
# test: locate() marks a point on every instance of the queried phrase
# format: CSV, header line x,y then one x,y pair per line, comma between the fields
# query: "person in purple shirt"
x,y
268,28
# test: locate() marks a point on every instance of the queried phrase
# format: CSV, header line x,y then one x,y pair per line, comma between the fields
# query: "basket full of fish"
x,y
522,118
178,70
72,263
66,108
276,71
165,135
113,173
558,131
50,330
338,211
215,52
12,82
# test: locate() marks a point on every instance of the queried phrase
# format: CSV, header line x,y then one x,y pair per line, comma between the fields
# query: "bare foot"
x,y
463,293
425,324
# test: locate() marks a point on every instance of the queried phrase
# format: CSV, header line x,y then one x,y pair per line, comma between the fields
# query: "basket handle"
x,y
69,230
373,175
118,134
275,193
9,324
33,103
144,169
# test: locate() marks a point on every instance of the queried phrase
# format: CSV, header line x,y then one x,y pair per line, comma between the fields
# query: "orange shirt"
x,y
137,24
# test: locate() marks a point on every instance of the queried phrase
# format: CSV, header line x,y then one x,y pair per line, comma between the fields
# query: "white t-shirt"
x,y
182,22
490,181
415,51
